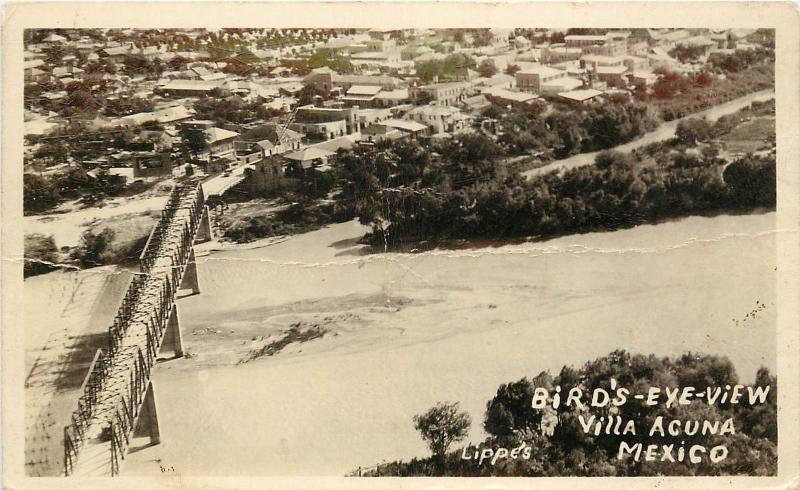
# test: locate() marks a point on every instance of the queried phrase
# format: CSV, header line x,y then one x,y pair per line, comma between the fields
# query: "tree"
x,y
690,131
309,94
194,140
752,181
511,69
41,255
92,248
441,426
509,412
612,158
39,194
487,68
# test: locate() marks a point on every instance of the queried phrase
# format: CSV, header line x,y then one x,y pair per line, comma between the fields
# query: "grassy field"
x,y
751,136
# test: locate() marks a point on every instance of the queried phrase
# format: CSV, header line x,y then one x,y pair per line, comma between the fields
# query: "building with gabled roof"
x,y
310,157
220,143
580,96
54,38
505,97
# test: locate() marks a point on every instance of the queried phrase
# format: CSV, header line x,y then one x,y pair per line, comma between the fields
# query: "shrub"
x,y
752,181
41,255
91,252
38,194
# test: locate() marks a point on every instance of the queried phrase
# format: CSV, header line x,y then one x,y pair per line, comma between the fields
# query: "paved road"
x,y
218,184
663,132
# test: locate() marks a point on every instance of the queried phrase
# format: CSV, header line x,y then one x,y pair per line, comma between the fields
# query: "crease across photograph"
x,y
405,252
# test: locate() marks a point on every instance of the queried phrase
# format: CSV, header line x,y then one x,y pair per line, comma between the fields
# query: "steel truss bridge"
x,y
117,401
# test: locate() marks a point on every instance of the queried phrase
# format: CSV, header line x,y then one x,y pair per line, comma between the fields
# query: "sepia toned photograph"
x,y
359,252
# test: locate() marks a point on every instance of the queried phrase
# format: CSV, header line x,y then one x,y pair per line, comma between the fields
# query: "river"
x,y
663,132
404,331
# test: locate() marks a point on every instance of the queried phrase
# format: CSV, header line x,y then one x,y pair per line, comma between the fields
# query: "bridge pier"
x,y
204,228
189,280
172,336
147,425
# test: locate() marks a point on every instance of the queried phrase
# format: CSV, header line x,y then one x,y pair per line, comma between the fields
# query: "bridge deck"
x,y
106,419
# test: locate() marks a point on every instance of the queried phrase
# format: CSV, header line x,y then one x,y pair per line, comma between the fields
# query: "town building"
x,y
581,96
613,76
504,97
532,79
440,118
557,53
220,142
444,94
579,41
186,88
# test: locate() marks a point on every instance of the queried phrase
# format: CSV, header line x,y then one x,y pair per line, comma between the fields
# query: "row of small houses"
x,y
266,156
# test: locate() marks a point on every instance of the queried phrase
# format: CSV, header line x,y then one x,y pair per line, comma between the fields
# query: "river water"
x,y
404,331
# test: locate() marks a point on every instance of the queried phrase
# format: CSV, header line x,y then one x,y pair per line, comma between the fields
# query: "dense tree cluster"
x,y
561,447
725,76
300,217
119,107
93,248
567,131
466,190
324,57
453,66
41,193
740,59
232,109
331,59
686,53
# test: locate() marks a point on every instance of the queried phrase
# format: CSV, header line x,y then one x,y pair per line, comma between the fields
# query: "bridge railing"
x,y
74,433
116,332
158,230
179,192
125,417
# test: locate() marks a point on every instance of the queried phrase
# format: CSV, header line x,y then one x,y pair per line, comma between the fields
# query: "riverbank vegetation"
x,y
116,240
466,192
469,187
42,193
558,445
41,255
288,219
